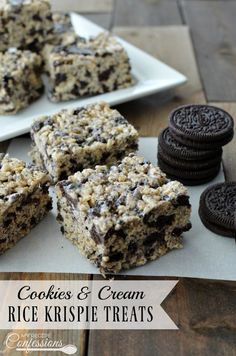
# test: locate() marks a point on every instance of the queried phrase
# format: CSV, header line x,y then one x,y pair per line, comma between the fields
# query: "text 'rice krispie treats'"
x,y
123,216
20,80
24,200
89,67
25,24
74,139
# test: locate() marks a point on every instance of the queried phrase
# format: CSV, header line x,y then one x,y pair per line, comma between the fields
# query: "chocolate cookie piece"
x,y
189,177
201,126
217,209
190,165
180,151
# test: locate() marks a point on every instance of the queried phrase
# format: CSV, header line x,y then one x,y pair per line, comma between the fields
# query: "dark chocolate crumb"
x,y
183,200
160,222
77,111
33,221
155,236
59,217
36,17
60,78
104,157
106,74
116,257
63,175
23,226
187,227
83,84
37,126
132,248
49,205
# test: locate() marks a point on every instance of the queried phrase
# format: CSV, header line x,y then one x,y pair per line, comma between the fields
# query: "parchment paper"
x,y
205,255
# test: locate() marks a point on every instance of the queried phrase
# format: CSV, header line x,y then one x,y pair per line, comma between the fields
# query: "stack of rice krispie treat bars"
x,y
25,26
75,66
117,208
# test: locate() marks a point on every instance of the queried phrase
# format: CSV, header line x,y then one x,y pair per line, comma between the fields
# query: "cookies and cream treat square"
x,y
20,80
87,67
63,30
63,35
123,216
25,24
74,139
24,200
61,19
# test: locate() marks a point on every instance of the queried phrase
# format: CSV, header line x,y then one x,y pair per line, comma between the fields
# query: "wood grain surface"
x,y
150,114
94,6
146,13
203,311
213,29
104,20
229,158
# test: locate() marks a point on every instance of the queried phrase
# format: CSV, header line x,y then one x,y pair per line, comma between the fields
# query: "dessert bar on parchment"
x,y
87,67
74,139
20,80
24,200
25,24
123,216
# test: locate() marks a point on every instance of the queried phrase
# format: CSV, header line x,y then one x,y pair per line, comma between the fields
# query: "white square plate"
x,y
150,74
45,249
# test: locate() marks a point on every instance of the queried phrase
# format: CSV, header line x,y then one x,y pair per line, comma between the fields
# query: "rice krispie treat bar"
x,y
25,24
123,216
63,35
24,200
61,19
20,80
74,139
66,38
90,67
63,31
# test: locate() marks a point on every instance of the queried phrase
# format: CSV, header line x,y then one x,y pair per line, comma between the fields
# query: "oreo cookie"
x,y
217,209
175,149
186,164
189,177
201,126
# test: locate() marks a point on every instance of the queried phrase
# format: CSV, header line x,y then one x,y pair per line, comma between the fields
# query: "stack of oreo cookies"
x,y
190,149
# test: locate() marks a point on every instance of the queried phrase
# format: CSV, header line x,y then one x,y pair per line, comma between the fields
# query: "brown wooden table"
x,y
197,37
